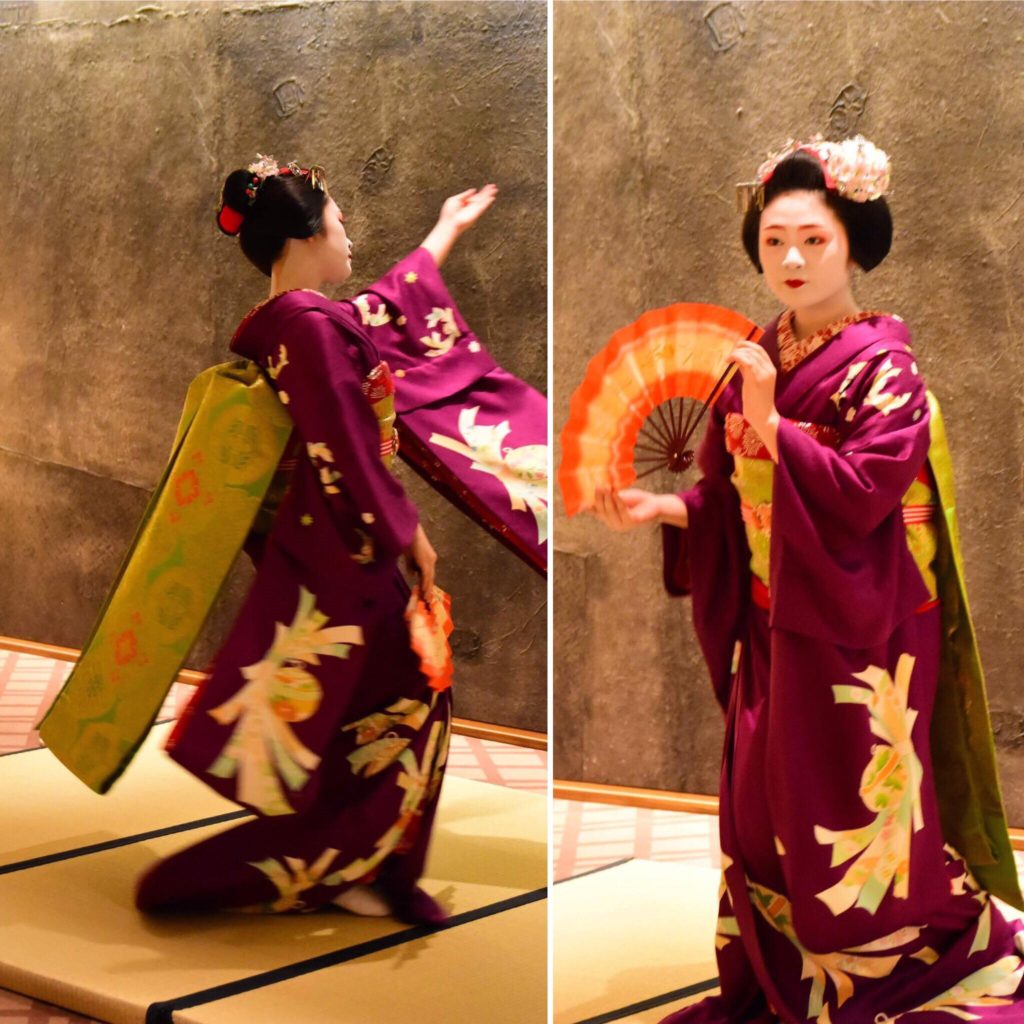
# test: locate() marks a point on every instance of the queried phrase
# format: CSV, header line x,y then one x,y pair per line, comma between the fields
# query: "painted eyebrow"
x,y
802,227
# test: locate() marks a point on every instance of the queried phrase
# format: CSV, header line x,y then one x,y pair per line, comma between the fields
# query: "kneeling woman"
x,y
816,554
316,714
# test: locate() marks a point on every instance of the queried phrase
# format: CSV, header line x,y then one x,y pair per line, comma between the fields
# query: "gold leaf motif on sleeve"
x,y
274,369
440,341
319,450
522,471
851,375
369,317
886,402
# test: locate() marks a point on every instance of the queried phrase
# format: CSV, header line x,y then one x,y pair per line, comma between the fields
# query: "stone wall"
x,y
118,123
659,110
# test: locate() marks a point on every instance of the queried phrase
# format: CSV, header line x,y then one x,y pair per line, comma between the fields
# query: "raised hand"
x,y
465,209
457,214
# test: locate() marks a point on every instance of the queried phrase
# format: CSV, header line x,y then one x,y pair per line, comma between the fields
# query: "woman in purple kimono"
x,y
809,549
316,714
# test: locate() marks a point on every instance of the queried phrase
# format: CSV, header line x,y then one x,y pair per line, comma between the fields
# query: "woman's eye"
x,y
814,240
773,241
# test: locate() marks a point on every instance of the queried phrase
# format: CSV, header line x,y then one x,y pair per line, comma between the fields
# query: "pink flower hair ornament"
x,y
854,168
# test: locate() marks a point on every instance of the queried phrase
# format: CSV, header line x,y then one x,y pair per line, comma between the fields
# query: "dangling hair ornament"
x,y
230,220
855,168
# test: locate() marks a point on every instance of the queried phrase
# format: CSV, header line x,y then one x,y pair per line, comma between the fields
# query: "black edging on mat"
x,y
649,1004
163,1012
594,871
113,844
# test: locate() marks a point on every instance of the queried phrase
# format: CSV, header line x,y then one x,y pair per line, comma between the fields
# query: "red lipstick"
x,y
795,283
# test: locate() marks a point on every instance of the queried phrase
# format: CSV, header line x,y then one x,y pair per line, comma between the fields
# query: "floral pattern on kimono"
x,y
263,750
849,906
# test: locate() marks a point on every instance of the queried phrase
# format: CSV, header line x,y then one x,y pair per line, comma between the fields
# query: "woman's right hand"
x,y
632,507
421,558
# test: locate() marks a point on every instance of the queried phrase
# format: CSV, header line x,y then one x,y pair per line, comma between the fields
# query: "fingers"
x,y
750,356
605,508
426,567
623,510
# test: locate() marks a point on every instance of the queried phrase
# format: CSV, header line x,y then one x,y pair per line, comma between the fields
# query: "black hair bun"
x,y
266,212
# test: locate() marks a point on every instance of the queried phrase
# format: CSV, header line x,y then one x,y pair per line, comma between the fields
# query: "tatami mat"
x,y
69,934
460,974
630,934
47,810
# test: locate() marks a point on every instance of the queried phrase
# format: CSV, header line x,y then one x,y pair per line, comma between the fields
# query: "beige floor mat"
x,y
69,933
632,933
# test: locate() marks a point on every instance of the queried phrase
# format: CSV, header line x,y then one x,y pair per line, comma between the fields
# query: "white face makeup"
x,y
335,245
804,250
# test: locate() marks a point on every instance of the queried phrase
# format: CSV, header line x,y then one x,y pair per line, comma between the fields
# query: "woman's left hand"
x,y
758,392
465,209
458,213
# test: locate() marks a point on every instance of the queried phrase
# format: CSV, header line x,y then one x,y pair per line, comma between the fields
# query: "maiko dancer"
x,y
327,711
862,828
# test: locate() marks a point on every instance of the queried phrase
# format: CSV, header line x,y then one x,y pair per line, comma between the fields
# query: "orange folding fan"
x,y
644,395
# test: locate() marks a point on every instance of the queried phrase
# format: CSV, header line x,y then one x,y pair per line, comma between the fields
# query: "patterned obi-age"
x,y
379,388
753,475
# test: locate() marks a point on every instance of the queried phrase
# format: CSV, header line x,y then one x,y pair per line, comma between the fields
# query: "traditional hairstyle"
x,y
264,206
868,223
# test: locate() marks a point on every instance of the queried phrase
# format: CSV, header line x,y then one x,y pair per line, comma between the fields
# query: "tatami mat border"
x,y
163,1012
666,800
113,844
594,871
652,1002
463,726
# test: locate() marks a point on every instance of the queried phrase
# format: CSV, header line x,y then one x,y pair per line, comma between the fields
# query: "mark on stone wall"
x,y
847,110
16,12
1008,729
726,25
376,169
289,96
466,644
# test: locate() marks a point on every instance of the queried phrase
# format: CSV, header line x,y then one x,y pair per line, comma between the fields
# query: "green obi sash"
x,y
963,748
232,433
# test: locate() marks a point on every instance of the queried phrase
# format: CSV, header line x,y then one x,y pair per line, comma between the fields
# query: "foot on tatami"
x,y
362,900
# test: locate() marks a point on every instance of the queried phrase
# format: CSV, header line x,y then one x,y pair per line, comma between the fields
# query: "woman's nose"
x,y
793,258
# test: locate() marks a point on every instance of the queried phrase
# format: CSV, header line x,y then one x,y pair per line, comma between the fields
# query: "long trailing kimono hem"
x,y
862,835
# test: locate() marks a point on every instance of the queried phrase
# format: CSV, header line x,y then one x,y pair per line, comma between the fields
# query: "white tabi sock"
x,y
362,900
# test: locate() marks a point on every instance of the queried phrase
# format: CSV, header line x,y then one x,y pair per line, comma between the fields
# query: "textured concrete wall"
x,y
659,110
118,123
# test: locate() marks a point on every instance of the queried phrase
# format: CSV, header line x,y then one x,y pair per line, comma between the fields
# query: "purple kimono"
x,y
815,604
316,714
478,434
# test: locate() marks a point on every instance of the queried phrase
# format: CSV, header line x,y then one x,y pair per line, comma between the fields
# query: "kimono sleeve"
x,y
707,506
418,329
710,559
318,382
475,432
843,495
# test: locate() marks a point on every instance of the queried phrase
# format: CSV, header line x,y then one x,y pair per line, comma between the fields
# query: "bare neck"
x,y
288,274
813,318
